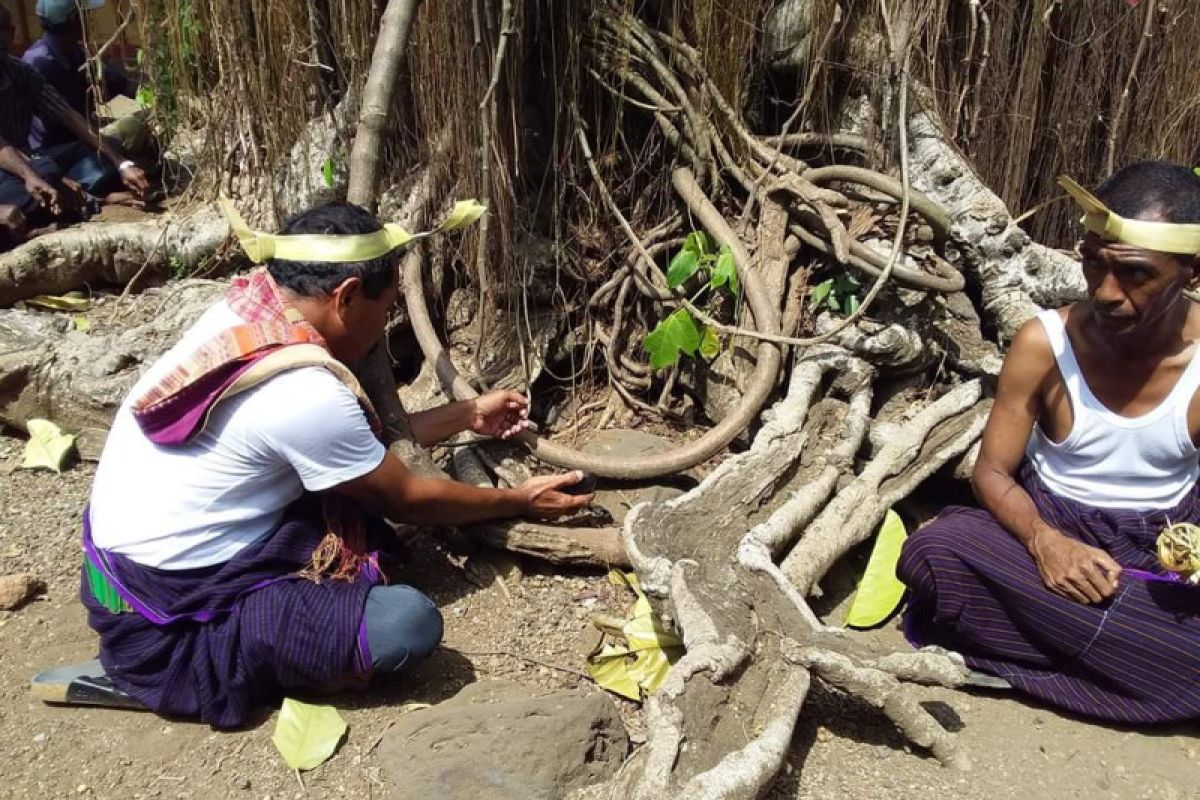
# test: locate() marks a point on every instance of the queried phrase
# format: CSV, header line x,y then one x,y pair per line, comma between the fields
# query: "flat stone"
x,y
627,443
497,740
618,497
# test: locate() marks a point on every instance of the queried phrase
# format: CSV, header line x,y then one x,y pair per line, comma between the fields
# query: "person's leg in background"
x,y
85,166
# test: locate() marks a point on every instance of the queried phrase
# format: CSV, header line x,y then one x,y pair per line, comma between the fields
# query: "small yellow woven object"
x,y
1179,550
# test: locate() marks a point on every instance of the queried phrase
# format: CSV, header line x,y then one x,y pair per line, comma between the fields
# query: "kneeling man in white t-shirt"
x,y
228,558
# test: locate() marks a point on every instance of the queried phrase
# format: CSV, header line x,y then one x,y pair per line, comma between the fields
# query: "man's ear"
x,y
1193,281
347,293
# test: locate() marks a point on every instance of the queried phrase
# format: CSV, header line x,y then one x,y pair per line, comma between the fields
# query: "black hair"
x,y
320,278
1169,192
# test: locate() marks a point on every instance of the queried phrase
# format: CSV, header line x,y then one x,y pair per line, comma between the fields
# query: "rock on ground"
x,y
498,740
16,589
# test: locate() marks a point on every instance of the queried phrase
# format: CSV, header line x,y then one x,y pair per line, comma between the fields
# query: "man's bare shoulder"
x,y
1032,341
1030,357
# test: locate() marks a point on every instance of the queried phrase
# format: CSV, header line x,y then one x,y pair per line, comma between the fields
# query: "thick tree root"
x,y
1014,275
558,544
50,370
720,725
110,253
884,691
940,432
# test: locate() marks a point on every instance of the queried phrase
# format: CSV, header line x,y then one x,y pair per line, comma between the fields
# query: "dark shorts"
x,y
82,164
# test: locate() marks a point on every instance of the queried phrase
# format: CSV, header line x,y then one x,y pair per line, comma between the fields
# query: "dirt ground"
x,y
841,749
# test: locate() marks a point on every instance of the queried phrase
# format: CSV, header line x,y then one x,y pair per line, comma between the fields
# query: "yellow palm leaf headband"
x,y
261,246
1165,237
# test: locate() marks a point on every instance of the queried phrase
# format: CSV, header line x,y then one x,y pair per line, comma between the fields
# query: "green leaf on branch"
x,y
710,345
674,335
845,283
725,273
698,242
839,293
683,266
820,293
327,172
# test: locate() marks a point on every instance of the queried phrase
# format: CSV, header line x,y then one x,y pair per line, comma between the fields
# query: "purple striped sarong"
x,y
217,642
1134,658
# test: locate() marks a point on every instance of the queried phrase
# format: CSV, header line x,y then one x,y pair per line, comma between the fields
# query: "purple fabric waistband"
x,y
167,596
100,559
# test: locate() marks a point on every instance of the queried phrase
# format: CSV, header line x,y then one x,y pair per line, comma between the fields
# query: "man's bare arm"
x,y
131,176
1068,567
393,490
15,162
496,413
1009,426
439,424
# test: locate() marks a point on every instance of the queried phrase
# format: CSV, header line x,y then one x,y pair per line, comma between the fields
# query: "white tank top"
x,y
1111,461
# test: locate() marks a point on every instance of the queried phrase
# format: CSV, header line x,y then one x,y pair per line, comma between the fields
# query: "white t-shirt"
x,y
198,504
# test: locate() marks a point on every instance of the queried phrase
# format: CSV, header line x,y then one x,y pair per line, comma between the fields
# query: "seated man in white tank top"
x,y
1054,586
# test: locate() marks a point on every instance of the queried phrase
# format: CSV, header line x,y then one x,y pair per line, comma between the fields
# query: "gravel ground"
x,y
531,628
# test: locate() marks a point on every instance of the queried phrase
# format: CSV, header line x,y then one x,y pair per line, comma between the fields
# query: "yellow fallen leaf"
x,y
610,669
638,667
60,302
307,735
82,323
879,590
48,447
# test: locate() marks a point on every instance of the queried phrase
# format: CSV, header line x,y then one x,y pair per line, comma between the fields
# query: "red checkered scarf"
x,y
271,323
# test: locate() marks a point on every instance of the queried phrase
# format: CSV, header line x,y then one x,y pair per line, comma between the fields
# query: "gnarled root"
x,y
1015,276
110,253
884,691
50,370
558,544
721,724
943,430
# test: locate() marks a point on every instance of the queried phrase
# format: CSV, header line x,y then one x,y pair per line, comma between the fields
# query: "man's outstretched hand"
x,y
43,194
135,180
1073,569
499,413
544,500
